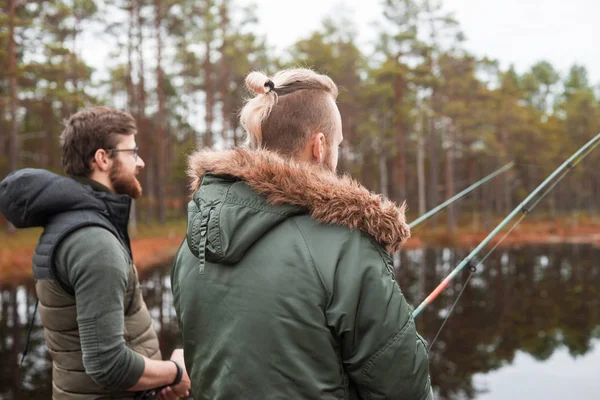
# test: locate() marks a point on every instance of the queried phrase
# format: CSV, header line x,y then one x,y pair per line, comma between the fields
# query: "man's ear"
x,y
318,147
101,160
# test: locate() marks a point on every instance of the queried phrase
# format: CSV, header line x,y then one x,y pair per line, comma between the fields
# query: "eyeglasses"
x,y
134,151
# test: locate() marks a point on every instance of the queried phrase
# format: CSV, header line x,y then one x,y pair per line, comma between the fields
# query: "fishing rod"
x,y
524,208
454,198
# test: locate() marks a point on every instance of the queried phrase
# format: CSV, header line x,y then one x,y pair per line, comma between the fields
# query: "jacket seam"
x,y
382,350
312,262
190,270
257,205
218,222
189,246
254,206
135,288
192,239
382,253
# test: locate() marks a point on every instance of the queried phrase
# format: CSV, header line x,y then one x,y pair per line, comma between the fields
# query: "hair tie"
x,y
271,86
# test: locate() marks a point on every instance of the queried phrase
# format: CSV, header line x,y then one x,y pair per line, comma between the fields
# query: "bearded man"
x,y
96,324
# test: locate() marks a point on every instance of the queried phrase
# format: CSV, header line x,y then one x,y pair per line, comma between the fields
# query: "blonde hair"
x,y
287,109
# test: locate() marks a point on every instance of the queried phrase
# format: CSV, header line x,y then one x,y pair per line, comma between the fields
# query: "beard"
x,y
123,183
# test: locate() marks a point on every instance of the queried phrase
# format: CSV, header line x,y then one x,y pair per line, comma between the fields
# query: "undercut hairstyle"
x,y
287,109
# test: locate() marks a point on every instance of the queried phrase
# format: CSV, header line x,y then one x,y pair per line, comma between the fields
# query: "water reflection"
x,y
535,299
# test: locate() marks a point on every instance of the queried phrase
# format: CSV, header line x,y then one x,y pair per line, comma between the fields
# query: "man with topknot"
x,y
284,286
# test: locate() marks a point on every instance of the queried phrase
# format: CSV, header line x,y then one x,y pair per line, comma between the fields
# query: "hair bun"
x,y
257,82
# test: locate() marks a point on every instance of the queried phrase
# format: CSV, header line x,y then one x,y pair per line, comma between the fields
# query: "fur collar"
x,y
329,199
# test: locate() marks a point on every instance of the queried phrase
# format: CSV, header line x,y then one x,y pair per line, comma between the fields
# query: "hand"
x,y
169,394
182,389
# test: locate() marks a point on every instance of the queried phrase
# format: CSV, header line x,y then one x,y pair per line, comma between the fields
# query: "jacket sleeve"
x,y
381,350
93,262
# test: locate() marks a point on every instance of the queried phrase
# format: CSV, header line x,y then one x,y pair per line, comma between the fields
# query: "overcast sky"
x,y
520,32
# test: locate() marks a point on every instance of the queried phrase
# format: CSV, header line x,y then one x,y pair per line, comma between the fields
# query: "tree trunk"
x,y
486,202
208,137
552,204
73,60
475,200
421,164
450,176
12,72
208,78
383,175
224,70
507,177
144,138
13,102
131,98
160,131
433,163
234,130
400,165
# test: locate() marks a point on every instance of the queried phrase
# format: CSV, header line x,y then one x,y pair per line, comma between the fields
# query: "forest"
x,y
422,117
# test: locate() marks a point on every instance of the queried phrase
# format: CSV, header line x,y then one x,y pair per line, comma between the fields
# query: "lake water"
x,y
528,324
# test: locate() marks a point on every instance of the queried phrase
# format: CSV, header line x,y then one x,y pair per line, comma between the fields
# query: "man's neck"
x,y
103,180
95,184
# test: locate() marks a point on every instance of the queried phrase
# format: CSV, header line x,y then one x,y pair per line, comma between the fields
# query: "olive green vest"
x,y
59,318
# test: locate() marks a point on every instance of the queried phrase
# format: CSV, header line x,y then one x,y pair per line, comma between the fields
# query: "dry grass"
x,y
152,246
155,245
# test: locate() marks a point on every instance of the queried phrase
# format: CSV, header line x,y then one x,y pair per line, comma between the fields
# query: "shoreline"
x,y
148,254
152,252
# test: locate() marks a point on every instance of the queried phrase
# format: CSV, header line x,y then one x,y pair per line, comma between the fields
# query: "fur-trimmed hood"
x,y
328,198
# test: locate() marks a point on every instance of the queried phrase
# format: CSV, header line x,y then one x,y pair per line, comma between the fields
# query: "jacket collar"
x,y
329,198
97,186
118,206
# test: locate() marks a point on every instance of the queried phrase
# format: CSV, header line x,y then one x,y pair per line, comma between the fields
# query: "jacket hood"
x,y
277,188
30,197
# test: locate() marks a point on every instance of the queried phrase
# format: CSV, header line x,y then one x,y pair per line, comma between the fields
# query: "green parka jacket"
x,y
284,285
